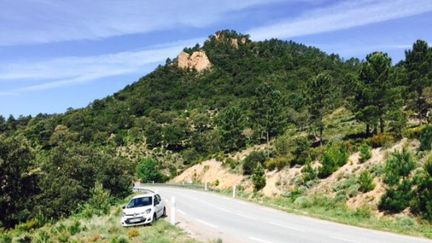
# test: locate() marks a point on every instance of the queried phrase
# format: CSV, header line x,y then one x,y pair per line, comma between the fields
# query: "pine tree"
x,y
419,75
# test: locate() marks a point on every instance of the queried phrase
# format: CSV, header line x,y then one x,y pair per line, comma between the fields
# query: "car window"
x,y
140,202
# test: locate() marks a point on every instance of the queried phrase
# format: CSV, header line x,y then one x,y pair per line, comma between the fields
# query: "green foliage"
x,y
418,66
426,138
398,166
276,163
252,161
18,183
99,202
230,124
318,92
399,192
365,153
396,198
258,178
268,110
423,193
373,92
309,173
148,171
335,156
366,182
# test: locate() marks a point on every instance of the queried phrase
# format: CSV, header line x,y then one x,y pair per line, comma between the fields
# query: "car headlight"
x,y
148,211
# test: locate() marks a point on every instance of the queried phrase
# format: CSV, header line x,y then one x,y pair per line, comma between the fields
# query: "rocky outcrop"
x,y
198,61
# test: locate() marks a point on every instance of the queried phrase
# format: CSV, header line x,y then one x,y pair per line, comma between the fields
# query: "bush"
x,y
396,199
258,178
251,162
426,138
99,202
232,163
303,202
309,173
334,157
277,163
423,193
301,151
366,182
148,171
398,166
365,153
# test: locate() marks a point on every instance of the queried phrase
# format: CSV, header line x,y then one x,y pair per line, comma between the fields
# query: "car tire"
x,y
164,213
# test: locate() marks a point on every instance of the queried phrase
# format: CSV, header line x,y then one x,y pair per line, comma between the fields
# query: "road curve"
x,y
210,216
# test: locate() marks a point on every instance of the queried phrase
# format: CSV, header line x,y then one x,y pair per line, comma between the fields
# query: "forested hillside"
x,y
276,92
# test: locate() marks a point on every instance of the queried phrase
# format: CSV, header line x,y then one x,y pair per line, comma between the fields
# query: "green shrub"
x,y
231,163
303,202
258,178
397,198
309,173
119,239
75,227
366,182
426,139
301,150
148,171
99,202
422,203
335,156
5,238
365,153
277,163
42,237
398,166
251,162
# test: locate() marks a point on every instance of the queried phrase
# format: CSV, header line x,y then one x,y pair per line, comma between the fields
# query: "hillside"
x,y
309,112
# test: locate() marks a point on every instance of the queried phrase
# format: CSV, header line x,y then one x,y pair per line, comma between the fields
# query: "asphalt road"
x,y
209,216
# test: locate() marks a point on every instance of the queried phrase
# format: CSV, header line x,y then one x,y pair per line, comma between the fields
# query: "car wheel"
x,y
164,213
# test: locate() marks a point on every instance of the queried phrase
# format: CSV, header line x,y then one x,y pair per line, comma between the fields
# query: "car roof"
x,y
145,193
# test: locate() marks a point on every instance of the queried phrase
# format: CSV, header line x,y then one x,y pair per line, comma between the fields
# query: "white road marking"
x,y
287,227
206,223
181,211
258,239
244,216
343,239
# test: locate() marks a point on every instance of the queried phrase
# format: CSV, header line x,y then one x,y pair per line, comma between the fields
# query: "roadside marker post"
x,y
234,191
173,211
205,186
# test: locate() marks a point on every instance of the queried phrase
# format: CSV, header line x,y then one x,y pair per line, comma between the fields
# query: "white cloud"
x,y
343,15
45,21
67,71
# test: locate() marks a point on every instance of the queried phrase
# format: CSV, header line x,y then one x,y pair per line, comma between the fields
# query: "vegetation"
x,y
335,156
365,153
258,178
281,93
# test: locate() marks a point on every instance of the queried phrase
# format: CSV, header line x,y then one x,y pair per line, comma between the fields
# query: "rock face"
x,y
198,61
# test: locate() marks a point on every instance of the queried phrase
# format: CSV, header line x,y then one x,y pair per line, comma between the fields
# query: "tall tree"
x,y
230,124
267,109
18,183
318,95
418,64
373,97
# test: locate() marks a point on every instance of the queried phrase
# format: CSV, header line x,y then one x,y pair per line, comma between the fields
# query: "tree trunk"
x,y
381,125
367,129
321,134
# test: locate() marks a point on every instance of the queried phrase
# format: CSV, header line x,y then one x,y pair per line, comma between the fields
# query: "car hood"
x,y
136,210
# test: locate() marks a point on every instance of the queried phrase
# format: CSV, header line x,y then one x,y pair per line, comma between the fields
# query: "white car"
x,y
143,209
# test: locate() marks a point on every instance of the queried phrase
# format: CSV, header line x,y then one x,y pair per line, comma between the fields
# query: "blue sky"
x,y
60,54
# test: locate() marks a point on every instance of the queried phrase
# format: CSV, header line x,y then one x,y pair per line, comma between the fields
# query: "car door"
x,y
158,205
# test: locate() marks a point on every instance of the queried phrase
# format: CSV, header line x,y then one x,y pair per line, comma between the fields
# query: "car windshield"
x,y
140,202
